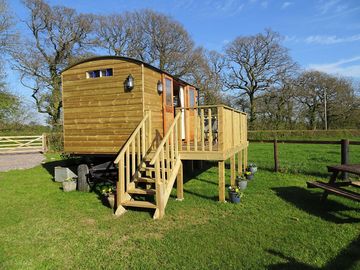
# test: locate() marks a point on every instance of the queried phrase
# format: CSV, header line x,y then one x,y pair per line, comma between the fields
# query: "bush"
x,y
55,141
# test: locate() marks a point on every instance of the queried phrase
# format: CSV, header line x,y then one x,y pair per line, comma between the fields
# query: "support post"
x,y
180,184
240,165
276,160
44,146
149,131
344,155
232,170
221,181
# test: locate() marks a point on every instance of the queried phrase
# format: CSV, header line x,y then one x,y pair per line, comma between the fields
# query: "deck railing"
x,y
131,156
213,128
167,164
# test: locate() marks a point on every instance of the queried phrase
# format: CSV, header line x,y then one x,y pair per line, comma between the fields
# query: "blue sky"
x,y
320,34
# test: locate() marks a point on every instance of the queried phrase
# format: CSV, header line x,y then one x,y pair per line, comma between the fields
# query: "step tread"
x,y
141,191
144,179
140,204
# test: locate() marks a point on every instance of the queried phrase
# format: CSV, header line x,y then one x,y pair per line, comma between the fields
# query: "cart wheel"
x,y
83,177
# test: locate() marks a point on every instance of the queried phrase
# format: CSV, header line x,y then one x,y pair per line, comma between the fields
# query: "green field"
x,y
280,224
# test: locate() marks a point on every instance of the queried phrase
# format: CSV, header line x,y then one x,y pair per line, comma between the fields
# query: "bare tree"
x,y
5,25
116,33
58,35
276,109
326,100
207,74
256,63
163,43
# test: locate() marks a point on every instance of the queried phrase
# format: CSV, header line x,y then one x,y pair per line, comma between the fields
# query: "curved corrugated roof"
x,y
128,59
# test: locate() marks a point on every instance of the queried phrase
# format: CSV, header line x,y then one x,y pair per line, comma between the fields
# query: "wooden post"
x,y
344,155
276,160
221,181
149,131
232,170
44,146
120,189
159,186
239,168
221,129
180,184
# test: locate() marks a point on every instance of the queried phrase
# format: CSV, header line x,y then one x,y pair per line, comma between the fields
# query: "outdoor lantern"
x,y
129,83
159,87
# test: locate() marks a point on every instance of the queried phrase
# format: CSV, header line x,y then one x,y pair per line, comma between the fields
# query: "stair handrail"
x,y
131,138
167,164
165,139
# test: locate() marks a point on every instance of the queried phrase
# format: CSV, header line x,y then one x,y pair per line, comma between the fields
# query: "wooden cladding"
x,y
99,113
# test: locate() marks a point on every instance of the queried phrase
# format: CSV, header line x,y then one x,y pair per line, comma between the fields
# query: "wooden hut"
x,y
147,122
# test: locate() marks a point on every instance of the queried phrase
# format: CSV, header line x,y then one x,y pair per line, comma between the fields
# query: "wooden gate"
x,y
22,144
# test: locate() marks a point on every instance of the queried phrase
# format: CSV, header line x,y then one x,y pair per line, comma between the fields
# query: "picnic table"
x,y
336,187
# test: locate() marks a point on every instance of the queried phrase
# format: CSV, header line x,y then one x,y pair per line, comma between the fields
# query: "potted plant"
x,y
241,182
252,168
234,194
69,184
108,193
249,175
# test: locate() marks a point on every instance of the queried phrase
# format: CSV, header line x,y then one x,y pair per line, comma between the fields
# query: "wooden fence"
x,y
22,144
344,148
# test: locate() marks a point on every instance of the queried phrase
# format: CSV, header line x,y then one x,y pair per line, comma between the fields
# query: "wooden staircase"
x,y
146,176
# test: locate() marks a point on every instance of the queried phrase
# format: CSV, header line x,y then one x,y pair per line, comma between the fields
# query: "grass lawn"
x,y
280,224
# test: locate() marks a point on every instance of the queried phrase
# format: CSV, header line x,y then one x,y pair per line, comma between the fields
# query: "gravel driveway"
x,y
20,161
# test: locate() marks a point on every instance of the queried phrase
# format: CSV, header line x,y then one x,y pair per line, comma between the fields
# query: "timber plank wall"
x,y
99,114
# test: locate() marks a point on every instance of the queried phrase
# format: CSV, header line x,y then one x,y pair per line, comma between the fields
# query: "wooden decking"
x,y
143,156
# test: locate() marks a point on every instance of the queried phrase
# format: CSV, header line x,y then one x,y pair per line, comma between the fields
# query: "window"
x,y
168,92
191,98
99,73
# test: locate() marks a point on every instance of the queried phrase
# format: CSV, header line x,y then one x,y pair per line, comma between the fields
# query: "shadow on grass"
x,y
310,202
346,259
213,198
70,163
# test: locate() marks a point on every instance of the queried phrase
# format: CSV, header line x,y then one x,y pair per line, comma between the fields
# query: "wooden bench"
x,y
335,187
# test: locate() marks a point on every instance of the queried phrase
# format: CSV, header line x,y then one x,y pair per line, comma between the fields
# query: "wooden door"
x,y
168,102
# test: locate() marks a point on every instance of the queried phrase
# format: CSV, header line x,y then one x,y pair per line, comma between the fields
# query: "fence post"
x,y
44,142
345,155
276,160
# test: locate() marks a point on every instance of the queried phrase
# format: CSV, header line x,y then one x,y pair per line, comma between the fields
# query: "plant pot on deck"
x,y
249,176
69,186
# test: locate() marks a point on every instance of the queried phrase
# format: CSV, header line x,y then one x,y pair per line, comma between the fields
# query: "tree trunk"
x,y
252,110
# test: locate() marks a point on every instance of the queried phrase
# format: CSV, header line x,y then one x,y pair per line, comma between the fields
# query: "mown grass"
x,y
280,224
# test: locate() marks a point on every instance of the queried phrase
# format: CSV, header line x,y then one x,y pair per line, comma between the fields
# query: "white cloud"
x,y
324,39
211,8
286,5
345,67
330,5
